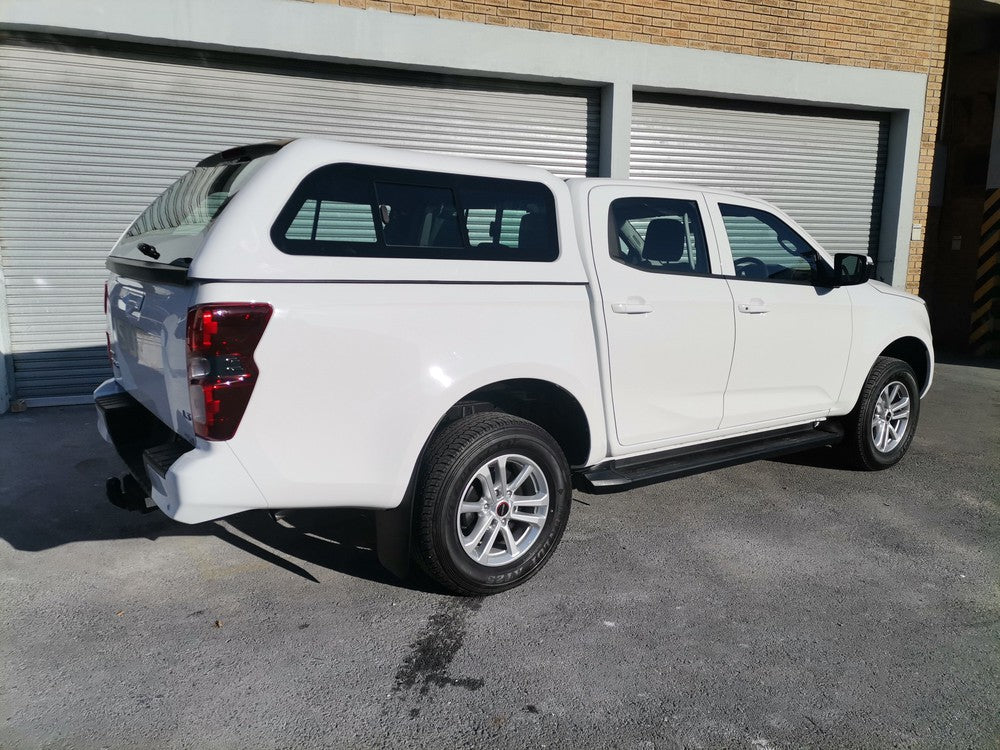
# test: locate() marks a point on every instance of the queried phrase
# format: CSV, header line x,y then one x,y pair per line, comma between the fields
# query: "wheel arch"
x,y
547,404
916,354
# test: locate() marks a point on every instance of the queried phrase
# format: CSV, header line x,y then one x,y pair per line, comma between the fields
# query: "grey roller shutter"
x,y
825,168
89,136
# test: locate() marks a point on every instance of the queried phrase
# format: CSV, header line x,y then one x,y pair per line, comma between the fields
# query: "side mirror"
x,y
850,269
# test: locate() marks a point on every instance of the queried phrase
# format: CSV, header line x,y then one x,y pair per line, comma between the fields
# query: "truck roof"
x,y
405,158
434,161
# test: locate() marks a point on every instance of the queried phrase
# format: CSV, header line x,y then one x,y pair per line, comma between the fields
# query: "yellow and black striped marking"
x,y
985,332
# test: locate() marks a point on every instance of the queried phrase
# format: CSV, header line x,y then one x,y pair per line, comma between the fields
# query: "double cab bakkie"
x,y
456,343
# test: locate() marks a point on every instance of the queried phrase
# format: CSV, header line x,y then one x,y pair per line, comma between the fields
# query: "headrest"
x,y
664,241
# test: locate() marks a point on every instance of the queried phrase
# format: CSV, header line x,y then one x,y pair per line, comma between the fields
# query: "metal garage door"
x,y
825,168
88,137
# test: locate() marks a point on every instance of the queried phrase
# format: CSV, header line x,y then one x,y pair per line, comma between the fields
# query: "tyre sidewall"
x,y
871,455
539,448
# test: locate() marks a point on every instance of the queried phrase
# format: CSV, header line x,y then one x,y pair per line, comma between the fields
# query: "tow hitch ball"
x,y
126,493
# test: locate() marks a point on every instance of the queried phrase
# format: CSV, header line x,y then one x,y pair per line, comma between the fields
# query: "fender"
x,y
873,311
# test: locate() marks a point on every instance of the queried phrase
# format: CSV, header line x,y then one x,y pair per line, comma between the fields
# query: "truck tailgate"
x,y
148,322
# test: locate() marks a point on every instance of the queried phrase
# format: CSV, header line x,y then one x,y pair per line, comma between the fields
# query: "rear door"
x,y
793,335
670,328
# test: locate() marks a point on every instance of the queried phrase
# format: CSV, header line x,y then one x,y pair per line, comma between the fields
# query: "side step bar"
x,y
620,474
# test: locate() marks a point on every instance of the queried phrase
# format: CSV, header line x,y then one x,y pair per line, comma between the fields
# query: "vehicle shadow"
x,y
53,468
830,457
66,505
342,540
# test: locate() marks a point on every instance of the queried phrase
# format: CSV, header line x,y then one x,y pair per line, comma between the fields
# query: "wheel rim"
x,y
891,417
503,510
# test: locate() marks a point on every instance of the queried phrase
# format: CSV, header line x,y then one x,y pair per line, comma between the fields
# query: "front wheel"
x,y
492,503
881,427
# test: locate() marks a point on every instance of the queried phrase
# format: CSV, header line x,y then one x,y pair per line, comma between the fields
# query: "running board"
x,y
620,474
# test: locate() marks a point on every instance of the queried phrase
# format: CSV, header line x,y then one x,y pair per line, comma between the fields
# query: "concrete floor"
x,y
777,604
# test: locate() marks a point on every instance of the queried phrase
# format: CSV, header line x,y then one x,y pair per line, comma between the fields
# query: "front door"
x,y
793,336
670,329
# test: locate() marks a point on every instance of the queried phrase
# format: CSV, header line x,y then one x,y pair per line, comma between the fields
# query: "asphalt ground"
x,y
779,604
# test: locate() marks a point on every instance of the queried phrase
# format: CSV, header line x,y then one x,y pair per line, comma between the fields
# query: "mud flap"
x,y
393,529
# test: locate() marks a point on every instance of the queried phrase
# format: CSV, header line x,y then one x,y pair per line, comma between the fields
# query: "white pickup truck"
x,y
457,342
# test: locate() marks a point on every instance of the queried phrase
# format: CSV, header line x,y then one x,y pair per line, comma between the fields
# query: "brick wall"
x,y
904,35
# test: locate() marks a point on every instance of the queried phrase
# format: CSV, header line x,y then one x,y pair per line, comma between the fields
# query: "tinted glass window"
x,y
766,248
494,216
488,227
662,235
357,210
190,205
418,216
333,221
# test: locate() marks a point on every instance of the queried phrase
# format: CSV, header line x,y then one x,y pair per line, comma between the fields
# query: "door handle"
x,y
753,307
634,306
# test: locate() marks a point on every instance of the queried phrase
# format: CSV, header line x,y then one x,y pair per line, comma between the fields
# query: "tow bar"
x,y
126,493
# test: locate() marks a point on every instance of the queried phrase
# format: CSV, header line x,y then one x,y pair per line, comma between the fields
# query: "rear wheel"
x,y
881,427
492,503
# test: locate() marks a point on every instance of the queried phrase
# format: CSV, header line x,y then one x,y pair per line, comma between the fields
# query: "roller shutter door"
x,y
825,168
89,136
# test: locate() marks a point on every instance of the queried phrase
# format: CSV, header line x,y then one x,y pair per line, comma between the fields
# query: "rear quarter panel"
x,y
355,376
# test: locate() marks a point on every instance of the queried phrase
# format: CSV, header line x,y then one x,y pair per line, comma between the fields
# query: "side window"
x,y
333,221
418,216
509,219
661,235
766,248
367,211
479,223
490,227
301,227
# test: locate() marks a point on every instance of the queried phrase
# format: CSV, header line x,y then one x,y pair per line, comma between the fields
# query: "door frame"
x,y
598,208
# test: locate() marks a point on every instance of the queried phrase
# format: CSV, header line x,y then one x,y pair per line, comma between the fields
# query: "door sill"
x,y
624,473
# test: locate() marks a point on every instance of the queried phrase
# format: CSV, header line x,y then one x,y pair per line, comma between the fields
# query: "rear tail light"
x,y
221,340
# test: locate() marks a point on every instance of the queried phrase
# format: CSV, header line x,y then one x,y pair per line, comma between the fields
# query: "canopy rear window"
x,y
189,205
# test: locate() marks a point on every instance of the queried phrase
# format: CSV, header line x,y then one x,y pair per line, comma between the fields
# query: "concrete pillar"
x,y
616,129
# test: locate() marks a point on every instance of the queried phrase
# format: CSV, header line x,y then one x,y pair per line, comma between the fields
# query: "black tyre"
x,y
491,505
881,427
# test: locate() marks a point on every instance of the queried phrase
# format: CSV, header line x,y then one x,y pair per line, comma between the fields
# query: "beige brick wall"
x,y
904,35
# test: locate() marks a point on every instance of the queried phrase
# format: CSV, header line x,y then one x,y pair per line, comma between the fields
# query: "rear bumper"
x,y
189,483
